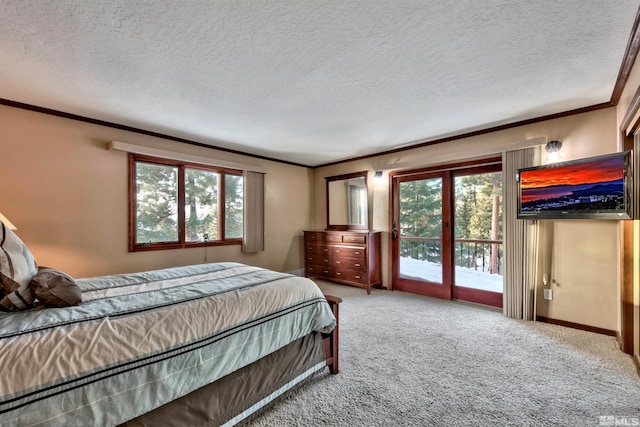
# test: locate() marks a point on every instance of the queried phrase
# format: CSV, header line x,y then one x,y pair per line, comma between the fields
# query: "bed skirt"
x,y
239,395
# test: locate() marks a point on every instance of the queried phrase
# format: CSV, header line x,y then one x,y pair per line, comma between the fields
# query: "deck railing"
x,y
478,254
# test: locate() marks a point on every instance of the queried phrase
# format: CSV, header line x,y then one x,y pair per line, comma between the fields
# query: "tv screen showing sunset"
x,y
596,185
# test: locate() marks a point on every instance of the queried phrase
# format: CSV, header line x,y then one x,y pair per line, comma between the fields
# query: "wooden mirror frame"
x,y
348,176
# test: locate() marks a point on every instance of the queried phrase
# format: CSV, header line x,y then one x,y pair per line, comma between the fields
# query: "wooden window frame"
x,y
134,246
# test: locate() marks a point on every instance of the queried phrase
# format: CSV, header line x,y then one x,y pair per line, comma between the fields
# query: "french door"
x,y
447,233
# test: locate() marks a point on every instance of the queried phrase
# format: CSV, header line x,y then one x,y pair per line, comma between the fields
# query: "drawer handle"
x,y
357,252
357,265
338,274
326,272
326,260
338,262
338,251
357,277
325,250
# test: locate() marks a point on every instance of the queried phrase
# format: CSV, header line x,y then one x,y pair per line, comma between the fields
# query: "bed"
x,y
207,344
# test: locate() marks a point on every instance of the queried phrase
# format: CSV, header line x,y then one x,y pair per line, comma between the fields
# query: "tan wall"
x,y
68,197
591,300
583,281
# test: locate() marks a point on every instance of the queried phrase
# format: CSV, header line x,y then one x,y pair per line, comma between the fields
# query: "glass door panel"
x,y
420,228
477,245
420,250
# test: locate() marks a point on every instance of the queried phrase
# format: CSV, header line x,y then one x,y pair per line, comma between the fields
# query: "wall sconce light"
x,y
377,176
553,148
8,223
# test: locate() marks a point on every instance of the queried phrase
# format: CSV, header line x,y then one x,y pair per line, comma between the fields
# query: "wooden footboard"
x,y
331,339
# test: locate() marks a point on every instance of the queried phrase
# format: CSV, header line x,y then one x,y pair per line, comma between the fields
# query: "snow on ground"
x,y
467,277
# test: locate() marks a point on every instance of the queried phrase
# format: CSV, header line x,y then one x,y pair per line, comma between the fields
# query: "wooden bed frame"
x,y
331,339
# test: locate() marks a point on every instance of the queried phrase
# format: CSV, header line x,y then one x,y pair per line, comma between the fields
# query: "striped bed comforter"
x,y
140,340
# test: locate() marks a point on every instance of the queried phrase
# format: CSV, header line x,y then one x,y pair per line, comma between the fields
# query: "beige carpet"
x,y
408,360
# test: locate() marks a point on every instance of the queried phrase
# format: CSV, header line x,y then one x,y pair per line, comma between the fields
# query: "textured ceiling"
x,y
312,81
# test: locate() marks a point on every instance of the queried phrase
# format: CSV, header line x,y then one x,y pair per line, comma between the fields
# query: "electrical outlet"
x,y
548,294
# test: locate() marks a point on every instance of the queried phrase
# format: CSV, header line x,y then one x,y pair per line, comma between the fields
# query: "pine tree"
x,y
465,206
157,203
201,204
479,217
421,216
233,205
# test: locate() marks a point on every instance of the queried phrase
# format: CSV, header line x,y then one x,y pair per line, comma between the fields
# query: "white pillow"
x,y
17,265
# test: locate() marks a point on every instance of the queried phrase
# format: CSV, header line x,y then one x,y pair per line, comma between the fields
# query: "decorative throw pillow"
x,y
18,300
17,266
53,288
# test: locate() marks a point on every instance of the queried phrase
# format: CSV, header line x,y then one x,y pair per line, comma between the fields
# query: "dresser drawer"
x,y
351,276
333,237
348,263
318,249
350,238
322,270
349,251
314,236
319,259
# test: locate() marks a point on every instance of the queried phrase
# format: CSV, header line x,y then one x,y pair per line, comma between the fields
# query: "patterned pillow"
x,y
17,268
20,299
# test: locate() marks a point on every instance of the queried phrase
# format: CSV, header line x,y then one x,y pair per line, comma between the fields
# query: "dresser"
x,y
350,257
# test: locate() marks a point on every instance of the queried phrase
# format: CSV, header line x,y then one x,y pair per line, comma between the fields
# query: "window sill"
x,y
188,245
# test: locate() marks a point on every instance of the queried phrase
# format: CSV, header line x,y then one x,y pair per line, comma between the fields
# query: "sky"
x,y
561,180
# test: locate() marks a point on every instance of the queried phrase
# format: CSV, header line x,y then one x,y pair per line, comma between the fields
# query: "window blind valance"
x,y
167,154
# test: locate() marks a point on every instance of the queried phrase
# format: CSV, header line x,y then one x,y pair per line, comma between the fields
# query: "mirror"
x,y
347,205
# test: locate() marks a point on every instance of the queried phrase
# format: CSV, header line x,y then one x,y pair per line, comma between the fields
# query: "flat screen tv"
x,y
593,188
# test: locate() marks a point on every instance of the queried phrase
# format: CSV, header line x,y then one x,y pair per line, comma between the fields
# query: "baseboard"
x,y
636,361
582,327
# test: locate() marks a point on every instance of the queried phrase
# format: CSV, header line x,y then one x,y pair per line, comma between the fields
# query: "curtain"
x,y
253,235
521,240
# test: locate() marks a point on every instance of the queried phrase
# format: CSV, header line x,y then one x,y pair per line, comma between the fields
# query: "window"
x,y
174,204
